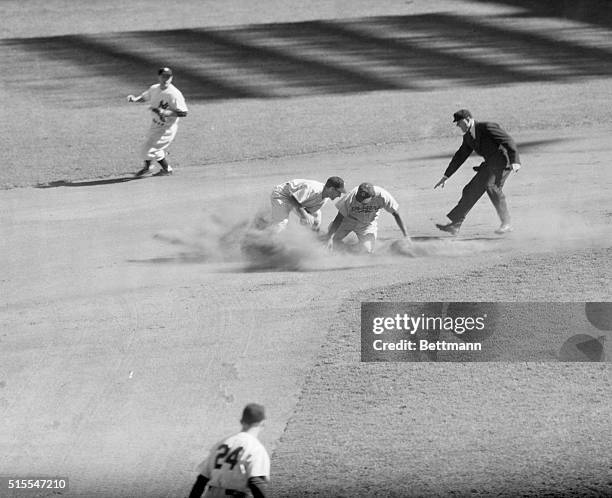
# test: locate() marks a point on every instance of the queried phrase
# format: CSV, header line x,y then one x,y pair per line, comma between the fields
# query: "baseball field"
x,y
134,326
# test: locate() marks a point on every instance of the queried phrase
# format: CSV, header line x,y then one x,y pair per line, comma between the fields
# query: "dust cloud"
x,y
254,246
251,246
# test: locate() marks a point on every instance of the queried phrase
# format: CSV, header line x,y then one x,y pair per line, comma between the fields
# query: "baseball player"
x,y
358,212
167,107
501,157
239,464
305,198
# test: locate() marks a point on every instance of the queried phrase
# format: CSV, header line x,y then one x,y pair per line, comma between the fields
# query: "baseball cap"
x,y
164,70
366,190
253,414
336,182
461,114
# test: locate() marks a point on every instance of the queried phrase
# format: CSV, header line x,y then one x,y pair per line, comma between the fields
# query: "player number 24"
x,y
224,456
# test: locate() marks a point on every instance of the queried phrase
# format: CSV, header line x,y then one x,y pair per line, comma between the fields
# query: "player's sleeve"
x,y
343,205
260,465
302,193
390,204
205,468
179,103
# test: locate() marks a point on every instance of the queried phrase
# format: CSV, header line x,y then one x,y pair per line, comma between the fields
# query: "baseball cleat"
x,y
504,228
452,228
141,172
163,172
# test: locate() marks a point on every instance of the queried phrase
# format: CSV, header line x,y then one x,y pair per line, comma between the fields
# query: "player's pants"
x,y
365,233
157,141
281,209
490,179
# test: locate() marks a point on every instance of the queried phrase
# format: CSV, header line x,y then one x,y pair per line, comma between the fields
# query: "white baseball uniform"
x,y
307,192
162,130
360,217
232,462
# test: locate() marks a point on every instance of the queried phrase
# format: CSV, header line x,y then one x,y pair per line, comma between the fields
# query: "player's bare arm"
x,y
303,214
333,228
400,223
132,98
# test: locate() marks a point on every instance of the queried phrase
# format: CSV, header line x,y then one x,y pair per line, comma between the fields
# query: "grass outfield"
x,y
295,83
133,335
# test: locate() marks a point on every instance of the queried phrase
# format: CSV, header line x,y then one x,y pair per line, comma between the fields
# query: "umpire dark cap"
x,y
164,70
366,190
461,114
253,414
336,182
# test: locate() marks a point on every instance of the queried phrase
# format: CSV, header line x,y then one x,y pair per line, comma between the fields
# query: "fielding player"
x,y
358,212
501,157
239,464
305,198
167,106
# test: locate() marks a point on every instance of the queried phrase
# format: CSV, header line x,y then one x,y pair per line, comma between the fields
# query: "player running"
x,y
358,212
167,106
237,465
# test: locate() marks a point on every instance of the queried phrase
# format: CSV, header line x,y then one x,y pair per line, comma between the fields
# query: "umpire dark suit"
x,y
499,152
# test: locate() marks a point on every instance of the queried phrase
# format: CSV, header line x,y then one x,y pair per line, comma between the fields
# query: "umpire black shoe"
x,y
452,228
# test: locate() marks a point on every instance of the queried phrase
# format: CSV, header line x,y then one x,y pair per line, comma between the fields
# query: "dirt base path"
x,y
128,334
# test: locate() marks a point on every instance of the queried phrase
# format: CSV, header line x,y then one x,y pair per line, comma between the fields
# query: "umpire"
x,y
500,158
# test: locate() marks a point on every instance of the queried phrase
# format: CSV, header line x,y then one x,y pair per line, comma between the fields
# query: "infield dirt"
x,y
133,328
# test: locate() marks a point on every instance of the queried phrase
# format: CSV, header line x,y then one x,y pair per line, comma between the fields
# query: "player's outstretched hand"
x,y
131,98
515,167
307,219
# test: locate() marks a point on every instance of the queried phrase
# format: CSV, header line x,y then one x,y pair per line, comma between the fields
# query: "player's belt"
x,y
233,492
229,492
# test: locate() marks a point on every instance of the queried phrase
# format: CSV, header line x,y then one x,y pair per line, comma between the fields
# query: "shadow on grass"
x,y
598,12
89,183
522,146
407,52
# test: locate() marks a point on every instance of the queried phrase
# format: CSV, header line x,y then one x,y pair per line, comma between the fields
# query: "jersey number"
x,y
224,456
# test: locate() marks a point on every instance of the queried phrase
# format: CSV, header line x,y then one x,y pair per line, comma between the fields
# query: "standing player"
x,y
238,464
167,106
305,198
358,212
501,157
